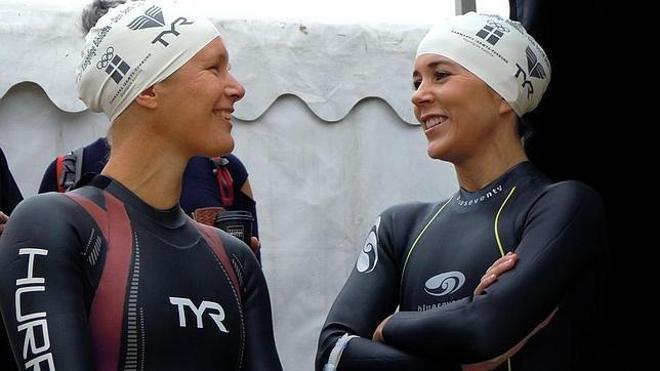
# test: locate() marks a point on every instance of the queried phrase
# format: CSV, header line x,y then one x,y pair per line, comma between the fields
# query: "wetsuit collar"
x,y
466,198
170,218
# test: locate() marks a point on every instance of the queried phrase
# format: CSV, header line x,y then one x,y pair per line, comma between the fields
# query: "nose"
x,y
235,89
421,95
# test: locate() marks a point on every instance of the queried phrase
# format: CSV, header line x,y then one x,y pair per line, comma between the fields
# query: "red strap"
x,y
225,183
59,173
212,238
107,311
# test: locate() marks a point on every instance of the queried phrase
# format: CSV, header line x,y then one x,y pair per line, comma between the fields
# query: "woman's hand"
x,y
255,245
3,220
500,266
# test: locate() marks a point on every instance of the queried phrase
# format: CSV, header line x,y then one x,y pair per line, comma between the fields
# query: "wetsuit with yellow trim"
x,y
428,258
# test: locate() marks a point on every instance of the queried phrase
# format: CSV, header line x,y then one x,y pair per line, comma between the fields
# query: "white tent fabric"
x,y
325,130
330,68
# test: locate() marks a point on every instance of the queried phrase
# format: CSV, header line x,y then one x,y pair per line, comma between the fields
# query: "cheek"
x,y
416,112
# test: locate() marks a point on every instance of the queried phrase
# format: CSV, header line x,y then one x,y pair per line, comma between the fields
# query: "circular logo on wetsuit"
x,y
369,255
444,283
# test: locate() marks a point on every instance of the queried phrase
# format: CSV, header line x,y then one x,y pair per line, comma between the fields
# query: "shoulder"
x,y
43,206
236,166
571,194
233,159
399,223
244,262
568,203
50,212
45,220
410,211
236,248
98,146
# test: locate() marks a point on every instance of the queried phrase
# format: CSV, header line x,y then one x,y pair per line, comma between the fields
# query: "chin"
x,y
225,147
217,148
434,152
439,154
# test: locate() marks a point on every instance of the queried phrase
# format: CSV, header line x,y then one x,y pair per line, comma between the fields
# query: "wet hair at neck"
x,y
94,11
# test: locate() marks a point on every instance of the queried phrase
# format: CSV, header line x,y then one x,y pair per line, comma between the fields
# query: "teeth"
x,y
434,121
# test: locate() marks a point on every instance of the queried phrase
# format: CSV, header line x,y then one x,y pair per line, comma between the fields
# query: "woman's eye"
x,y
439,75
416,84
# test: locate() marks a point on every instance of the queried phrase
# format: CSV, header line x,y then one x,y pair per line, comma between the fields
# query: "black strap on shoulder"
x,y
69,169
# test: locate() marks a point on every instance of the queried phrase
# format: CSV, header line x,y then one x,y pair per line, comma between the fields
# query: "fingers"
x,y
3,219
378,334
485,282
500,266
255,244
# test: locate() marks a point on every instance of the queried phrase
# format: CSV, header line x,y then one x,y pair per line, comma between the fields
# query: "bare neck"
x,y
494,159
151,169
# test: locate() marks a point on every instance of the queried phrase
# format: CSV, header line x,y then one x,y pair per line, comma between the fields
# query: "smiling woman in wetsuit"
x,y
114,275
475,76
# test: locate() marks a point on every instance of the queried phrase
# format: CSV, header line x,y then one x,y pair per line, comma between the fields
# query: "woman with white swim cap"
x,y
475,76
114,275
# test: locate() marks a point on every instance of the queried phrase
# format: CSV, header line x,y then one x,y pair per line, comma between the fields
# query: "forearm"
x,y
361,354
562,240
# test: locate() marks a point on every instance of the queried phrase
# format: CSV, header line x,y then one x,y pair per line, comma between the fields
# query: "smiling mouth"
x,y
225,114
434,121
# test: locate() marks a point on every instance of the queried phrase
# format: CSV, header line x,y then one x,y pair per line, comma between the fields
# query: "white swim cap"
x,y
497,50
134,46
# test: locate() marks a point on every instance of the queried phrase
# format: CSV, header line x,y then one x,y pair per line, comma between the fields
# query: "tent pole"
x,y
464,6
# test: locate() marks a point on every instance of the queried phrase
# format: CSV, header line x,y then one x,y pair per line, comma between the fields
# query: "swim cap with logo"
x,y
497,50
134,46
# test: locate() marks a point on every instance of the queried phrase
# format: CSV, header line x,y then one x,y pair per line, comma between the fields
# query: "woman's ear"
x,y
148,98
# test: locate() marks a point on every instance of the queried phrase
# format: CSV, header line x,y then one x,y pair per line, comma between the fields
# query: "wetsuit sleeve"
x,y
261,353
369,296
563,241
41,286
242,201
49,180
11,195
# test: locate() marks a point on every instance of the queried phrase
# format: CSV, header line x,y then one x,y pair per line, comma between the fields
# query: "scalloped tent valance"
x,y
330,67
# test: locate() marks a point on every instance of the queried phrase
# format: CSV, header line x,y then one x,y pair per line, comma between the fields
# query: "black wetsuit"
x,y
428,258
148,292
10,195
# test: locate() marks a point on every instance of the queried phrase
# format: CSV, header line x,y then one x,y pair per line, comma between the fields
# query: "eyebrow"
x,y
433,65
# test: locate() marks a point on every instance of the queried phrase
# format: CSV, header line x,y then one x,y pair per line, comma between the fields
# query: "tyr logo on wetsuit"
x,y
217,317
